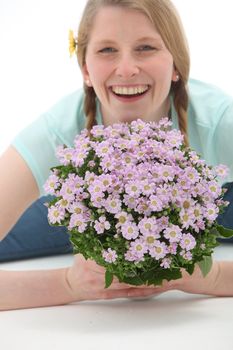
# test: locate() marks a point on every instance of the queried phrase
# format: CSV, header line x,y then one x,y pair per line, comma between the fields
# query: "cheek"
x,y
162,68
98,71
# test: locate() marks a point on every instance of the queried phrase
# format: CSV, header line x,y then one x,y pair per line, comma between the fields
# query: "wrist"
x,y
68,281
213,278
224,279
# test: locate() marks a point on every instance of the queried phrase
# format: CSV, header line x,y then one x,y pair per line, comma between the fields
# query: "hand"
x,y
196,283
86,281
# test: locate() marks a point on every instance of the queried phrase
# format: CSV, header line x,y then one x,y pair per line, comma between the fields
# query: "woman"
x,y
139,67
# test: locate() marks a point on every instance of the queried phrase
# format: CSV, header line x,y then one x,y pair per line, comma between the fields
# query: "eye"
x,y
142,48
107,50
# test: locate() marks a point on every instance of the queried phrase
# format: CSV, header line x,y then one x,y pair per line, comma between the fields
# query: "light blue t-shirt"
x,y
210,129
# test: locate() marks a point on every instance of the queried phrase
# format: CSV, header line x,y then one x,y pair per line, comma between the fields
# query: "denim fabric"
x,y
226,219
32,236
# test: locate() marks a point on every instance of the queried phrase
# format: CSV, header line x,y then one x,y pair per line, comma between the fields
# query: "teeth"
x,y
119,90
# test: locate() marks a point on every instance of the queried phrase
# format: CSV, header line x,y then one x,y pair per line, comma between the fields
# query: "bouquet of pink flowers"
x,y
137,201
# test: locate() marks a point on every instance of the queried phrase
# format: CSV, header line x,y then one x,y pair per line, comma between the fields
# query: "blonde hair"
x,y
166,20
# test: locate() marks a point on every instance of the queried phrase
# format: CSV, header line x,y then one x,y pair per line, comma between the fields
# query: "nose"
x,y
127,67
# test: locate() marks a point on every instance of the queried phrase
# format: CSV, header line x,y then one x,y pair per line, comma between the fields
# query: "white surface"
x,y
172,320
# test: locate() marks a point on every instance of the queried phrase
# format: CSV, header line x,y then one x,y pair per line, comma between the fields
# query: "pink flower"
x,y
159,250
129,230
52,184
65,154
163,194
221,170
138,248
133,188
150,238
162,223
113,204
78,157
97,130
211,212
76,183
187,219
155,203
192,174
166,263
147,225
109,255
56,214
187,242
104,148
172,248
130,256
101,225
67,191
106,181
77,221
130,201
96,188
166,172
77,207
214,189
173,138
173,233
187,255
122,217
63,204
147,187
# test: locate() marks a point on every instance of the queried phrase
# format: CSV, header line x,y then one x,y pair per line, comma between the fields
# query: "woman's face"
x,y
128,66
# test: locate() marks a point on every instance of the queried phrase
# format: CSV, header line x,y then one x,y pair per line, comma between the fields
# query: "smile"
x,y
128,91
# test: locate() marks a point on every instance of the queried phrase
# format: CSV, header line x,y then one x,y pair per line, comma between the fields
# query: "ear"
x,y
86,76
175,75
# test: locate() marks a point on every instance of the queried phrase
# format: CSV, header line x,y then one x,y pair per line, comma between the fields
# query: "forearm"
x,y
28,289
17,192
224,280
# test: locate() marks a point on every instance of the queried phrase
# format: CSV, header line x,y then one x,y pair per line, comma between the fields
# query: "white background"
x,y
36,70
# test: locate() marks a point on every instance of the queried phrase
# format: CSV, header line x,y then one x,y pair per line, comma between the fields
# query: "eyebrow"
x,y
156,39
151,38
104,42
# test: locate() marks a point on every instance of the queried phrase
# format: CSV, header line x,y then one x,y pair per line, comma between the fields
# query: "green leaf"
x,y
205,265
224,232
108,278
135,281
190,269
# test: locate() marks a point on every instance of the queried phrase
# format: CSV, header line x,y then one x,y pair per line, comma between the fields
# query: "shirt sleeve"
x,y
37,143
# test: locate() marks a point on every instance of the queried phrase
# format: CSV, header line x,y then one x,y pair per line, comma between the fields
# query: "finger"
x,y
128,293
121,285
95,267
91,264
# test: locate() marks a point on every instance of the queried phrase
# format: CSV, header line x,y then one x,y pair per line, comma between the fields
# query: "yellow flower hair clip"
x,y
73,43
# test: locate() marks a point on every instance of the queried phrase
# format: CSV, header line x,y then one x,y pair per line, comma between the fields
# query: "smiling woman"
x,y
134,61
128,63
130,70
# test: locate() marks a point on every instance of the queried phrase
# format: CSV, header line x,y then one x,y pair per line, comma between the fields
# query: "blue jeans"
x,y
32,236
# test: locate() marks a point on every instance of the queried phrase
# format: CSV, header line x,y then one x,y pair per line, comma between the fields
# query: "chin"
x,y
129,119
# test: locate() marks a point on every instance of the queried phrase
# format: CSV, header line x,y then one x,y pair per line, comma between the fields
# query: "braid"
x,y
90,107
181,106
